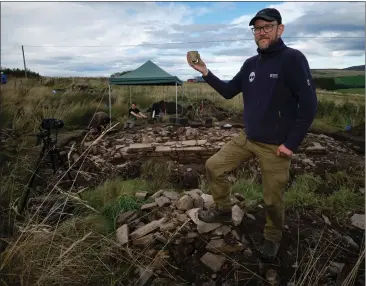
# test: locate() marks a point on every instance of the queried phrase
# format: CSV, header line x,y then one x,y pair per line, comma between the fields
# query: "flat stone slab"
x,y
195,193
141,195
122,235
149,206
213,261
222,230
171,195
189,143
185,203
163,149
219,245
137,147
170,143
162,201
144,240
237,215
150,227
358,220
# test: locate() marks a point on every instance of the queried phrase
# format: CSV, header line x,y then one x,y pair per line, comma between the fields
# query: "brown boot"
x,y
215,215
269,250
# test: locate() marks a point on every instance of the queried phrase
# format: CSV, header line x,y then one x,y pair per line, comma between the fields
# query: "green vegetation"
x,y
303,195
351,91
356,81
114,197
19,73
334,83
249,189
332,117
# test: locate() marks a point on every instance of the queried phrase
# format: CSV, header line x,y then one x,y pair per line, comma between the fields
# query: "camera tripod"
x,y
49,150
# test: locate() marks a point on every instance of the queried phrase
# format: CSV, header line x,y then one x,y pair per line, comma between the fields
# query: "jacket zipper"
x,y
257,71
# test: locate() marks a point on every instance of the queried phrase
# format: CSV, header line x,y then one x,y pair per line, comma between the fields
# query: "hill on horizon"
x,y
356,68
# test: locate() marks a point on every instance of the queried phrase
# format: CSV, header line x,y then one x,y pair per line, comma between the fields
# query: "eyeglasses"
x,y
266,29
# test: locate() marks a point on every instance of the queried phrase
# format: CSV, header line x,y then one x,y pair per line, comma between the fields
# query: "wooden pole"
x,y
25,67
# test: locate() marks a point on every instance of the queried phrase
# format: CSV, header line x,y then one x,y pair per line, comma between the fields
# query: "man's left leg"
x,y
275,175
132,123
126,125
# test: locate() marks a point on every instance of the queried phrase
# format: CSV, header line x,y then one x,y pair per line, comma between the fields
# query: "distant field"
x,y
351,91
335,73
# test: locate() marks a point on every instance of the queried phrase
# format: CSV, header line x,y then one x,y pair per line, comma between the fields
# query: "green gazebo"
x,y
147,74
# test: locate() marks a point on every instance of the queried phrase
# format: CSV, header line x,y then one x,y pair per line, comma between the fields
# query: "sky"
x,y
101,38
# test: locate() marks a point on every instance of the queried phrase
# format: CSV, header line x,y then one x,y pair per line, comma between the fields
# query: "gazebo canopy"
x,y
147,74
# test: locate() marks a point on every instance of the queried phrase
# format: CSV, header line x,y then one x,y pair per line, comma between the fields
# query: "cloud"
x,y
101,38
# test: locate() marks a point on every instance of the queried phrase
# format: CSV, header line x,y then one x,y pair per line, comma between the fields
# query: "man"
x,y
279,107
133,114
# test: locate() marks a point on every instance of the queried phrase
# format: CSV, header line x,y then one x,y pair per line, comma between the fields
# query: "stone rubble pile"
x,y
169,218
185,145
188,148
167,221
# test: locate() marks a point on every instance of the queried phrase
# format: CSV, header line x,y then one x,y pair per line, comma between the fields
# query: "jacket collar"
x,y
273,49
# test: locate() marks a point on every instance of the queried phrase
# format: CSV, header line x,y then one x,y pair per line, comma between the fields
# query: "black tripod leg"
x,y
24,198
53,156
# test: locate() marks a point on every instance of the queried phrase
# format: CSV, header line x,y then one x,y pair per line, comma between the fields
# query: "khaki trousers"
x,y
129,124
275,175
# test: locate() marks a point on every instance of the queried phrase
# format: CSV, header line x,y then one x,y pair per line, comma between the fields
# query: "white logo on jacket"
x,y
252,76
273,75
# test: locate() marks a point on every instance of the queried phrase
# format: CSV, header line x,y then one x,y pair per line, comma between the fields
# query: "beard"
x,y
265,42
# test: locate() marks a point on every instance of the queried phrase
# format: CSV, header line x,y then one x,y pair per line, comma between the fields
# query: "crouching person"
x,y
133,114
100,121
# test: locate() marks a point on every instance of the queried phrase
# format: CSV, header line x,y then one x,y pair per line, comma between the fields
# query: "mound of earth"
x,y
208,108
357,131
354,138
168,106
169,244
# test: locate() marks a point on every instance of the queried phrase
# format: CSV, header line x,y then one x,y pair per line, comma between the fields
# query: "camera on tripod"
x,y
47,125
49,150
52,123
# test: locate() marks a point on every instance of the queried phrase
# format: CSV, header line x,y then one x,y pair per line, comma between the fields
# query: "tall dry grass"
x,y
25,102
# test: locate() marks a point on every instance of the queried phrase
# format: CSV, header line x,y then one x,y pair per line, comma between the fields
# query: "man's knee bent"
x,y
213,165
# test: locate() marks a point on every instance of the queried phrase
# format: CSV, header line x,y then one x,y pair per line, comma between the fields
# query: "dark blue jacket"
x,y
279,95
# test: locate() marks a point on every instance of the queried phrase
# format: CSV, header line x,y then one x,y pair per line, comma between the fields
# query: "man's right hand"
x,y
201,66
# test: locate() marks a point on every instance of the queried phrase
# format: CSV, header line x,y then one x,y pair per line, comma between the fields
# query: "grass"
x,y
76,253
303,194
115,197
151,171
360,91
249,189
81,250
332,117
